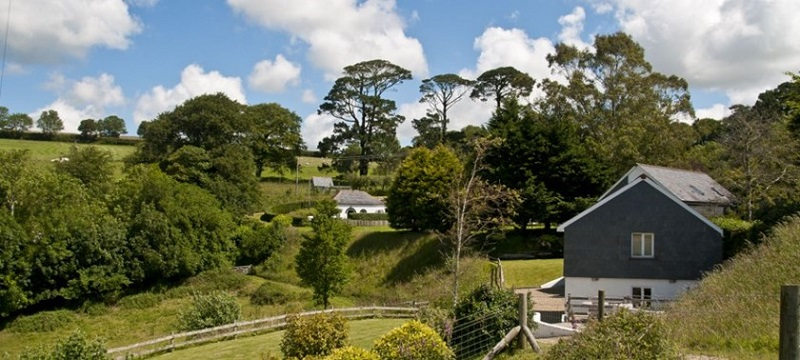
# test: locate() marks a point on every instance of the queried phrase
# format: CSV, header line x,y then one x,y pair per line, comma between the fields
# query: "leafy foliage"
x,y
418,198
257,241
440,92
483,318
413,340
352,353
209,310
624,335
75,347
50,122
314,335
502,83
322,262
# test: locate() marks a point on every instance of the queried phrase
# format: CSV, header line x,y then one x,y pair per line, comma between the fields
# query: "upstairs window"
x,y
642,245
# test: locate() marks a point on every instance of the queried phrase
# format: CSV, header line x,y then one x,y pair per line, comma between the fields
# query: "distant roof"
x,y
688,186
356,197
322,182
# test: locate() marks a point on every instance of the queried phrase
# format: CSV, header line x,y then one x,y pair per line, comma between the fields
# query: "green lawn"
x,y
47,150
362,334
531,273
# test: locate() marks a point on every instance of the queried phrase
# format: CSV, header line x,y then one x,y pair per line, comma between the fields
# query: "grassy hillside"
x,y
44,151
736,308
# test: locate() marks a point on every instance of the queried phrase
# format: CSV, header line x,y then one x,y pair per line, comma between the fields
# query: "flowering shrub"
x,y
414,340
314,335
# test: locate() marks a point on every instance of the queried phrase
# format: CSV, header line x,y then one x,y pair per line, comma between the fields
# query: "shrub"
x,y
624,335
352,353
271,293
140,301
368,216
413,340
437,318
737,234
76,347
257,241
209,310
314,335
483,318
44,321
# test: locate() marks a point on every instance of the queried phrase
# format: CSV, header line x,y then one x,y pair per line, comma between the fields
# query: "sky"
x,y
138,58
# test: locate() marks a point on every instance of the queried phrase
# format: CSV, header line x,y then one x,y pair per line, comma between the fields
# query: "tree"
x,y
502,83
112,126
542,158
18,123
50,122
478,207
91,165
275,138
322,260
441,92
365,116
88,129
618,102
3,117
418,198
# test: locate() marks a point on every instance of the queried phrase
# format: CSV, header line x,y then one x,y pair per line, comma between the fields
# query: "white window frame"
x,y
641,239
644,297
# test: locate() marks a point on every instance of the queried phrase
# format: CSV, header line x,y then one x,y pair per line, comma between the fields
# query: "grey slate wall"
x,y
598,244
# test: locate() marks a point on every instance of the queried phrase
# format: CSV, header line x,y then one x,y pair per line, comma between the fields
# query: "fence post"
x,y
790,323
601,304
523,319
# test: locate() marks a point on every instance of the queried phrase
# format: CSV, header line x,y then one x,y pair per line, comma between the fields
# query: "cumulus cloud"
x,y
340,32
194,82
316,127
274,76
716,111
87,98
741,47
511,47
572,28
69,29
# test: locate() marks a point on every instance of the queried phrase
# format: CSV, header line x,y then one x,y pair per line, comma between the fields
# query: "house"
x,y
350,201
318,182
648,237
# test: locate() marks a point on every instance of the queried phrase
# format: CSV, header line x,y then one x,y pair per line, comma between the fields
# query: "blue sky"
x,y
138,58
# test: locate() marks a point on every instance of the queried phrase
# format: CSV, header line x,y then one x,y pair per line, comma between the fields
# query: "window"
x,y
642,245
641,296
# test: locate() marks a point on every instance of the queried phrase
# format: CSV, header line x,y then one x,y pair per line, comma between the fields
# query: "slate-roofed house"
x,y
350,201
648,237
319,182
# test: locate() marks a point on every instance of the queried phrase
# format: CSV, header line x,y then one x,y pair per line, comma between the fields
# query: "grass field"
x,y
44,151
531,273
362,334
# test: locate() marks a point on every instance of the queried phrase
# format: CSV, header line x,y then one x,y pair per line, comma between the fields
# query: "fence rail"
x,y
367,222
175,341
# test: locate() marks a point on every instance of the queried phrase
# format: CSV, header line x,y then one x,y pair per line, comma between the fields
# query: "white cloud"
x,y
46,31
716,111
309,97
572,28
500,47
316,127
340,32
274,76
87,98
194,82
741,47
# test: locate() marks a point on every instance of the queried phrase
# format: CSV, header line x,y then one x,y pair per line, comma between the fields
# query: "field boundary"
x,y
274,323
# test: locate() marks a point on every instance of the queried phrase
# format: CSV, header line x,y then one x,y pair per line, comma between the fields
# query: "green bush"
x,y
209,310
352,353
437,318
483,318
43,321
76,347
414,340
257,241
737,235
624,335
140,301
368,216
314,335
272,293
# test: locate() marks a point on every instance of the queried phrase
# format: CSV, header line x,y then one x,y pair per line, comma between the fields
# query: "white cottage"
x,y
357,201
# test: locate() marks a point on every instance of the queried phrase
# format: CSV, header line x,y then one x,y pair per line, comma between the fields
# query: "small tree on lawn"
x,y
322,262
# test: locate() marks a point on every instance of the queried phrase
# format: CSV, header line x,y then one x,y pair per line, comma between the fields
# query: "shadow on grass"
x,y
411,253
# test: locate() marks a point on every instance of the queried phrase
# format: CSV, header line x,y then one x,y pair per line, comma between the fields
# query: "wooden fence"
x,y
367,222
175,341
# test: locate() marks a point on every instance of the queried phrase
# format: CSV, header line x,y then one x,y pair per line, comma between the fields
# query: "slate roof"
x,y
688,186
322,182
355,197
